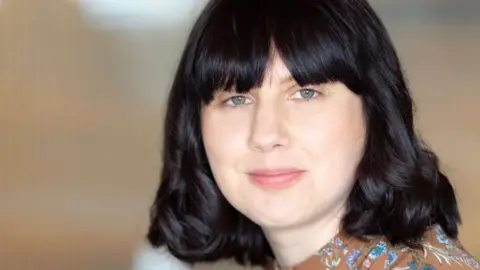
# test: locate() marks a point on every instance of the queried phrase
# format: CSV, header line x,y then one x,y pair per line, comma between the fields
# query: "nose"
x,y
267,131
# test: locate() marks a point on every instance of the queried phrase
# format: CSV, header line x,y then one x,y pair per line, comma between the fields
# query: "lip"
x,y
275,178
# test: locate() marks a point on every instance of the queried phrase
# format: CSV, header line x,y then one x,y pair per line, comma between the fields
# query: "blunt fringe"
x,y
399,191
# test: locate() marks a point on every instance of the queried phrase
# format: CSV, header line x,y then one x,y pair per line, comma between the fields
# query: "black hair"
x,y
399,190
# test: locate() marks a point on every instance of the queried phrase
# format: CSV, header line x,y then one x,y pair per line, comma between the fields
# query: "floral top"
x,y
344,252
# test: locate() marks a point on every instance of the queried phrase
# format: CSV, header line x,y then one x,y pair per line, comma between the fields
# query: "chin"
x,y
276,216
276,221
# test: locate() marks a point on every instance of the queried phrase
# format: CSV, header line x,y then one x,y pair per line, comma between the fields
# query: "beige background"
x,y
81,108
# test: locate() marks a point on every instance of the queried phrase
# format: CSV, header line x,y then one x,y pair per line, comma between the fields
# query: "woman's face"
x,y
284,155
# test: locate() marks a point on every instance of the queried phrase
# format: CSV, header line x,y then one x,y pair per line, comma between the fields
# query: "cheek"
x,y
224,140
333,136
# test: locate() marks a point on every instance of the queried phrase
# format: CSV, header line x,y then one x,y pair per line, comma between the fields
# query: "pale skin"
x,y
319,129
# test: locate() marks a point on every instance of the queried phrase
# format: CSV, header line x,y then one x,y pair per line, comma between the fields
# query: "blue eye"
x,y
237,101
305,94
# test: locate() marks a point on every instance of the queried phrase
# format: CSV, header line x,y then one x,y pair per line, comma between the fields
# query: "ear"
x,y
148,258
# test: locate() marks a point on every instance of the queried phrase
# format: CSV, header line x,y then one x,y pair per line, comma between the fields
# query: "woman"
x,y
289,143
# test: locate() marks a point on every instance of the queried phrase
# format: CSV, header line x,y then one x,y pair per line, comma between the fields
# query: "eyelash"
x,y
316,94
228,100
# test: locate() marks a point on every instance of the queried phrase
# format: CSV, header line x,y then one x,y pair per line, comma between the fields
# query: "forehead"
x,y
276,71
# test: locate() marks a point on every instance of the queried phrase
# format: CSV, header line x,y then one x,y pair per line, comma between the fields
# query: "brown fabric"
x,y
343,252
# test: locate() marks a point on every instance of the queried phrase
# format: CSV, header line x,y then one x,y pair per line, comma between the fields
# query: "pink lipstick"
x,y
275,178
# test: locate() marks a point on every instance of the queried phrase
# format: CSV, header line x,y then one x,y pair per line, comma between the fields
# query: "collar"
x,y
337,243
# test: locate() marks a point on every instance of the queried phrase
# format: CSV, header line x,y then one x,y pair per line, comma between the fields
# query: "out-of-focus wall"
x,y
81,105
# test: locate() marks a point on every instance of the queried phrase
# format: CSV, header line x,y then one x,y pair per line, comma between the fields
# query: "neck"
x,y
293,245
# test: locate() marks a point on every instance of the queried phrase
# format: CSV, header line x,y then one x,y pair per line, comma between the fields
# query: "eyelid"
x,y
295,88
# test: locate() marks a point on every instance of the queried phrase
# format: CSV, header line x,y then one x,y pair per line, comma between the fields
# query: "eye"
x,y
306,93
237,101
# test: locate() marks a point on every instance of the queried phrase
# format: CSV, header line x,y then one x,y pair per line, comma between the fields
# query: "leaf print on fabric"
x,y
330,265
336,262
452,252
471,261
436,251
444,256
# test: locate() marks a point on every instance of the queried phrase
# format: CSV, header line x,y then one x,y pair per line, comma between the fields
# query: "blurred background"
x,y
82,94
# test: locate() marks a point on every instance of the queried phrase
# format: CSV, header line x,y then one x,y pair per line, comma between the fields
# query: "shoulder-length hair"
x,y
399,190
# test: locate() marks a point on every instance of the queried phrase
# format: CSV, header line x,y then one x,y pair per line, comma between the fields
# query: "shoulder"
x,y
148,258
436,251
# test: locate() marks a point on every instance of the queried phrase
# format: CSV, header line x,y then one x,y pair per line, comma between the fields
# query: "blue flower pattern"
x,y
392,257
353,256
441,237
378,250
377,253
